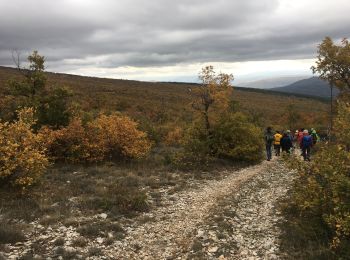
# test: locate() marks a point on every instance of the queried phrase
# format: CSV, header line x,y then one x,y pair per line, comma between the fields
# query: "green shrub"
x,y
321,198
196,148
235,138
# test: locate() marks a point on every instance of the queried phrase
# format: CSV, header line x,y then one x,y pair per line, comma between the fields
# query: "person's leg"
x,y
268,152
304,153
278,150
308,153
301,149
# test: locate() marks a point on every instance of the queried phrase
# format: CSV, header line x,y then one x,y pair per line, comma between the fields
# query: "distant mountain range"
x,y
313,86
272,82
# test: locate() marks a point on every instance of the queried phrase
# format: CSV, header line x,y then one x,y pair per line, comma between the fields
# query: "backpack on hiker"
x,y
315,137
307,141
269,138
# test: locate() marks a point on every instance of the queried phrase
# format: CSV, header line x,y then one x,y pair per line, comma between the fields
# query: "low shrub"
x,y
233,137
22,156
70,143
118,136
320,200
237,139
106,137
195,148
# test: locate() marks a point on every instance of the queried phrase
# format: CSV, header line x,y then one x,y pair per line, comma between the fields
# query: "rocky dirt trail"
x,y
232,218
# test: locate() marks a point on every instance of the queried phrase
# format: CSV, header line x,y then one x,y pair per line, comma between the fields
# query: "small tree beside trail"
x,y
218,132
333,65
213,94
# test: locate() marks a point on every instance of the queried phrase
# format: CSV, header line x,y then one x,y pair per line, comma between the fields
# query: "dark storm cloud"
x,y
106,33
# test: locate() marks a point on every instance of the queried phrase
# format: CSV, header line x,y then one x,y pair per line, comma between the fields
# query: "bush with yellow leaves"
x,y
70,144
106,137
22,157
117,136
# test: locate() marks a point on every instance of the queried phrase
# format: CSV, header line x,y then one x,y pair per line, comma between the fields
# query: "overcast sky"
x,y
172,40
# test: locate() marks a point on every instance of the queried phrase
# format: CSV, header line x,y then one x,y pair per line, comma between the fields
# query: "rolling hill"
x,y
310,87
161,103
272,82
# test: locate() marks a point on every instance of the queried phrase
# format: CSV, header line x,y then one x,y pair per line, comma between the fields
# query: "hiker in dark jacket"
x,y
286,143
306,144
269,139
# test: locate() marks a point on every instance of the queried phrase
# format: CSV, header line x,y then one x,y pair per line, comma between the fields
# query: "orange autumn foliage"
x,y
175,136
106,137
22,157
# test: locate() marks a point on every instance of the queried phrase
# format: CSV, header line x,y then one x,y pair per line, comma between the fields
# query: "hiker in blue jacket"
x,y
306,144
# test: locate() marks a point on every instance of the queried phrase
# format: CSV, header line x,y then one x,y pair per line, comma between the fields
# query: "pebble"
x,y
213,249
103,215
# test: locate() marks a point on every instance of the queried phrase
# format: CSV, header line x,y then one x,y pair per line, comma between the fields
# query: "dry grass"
x,y
74,195
80,242
10,233
304,237
101,228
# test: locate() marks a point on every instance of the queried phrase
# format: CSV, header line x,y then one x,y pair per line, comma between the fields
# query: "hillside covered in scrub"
x,y
168,104
98,168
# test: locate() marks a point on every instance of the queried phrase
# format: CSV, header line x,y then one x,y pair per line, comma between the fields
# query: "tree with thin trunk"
x,y
333,65
51,103
213,94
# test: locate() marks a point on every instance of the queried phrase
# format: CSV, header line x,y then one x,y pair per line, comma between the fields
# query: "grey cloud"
x,y
139,33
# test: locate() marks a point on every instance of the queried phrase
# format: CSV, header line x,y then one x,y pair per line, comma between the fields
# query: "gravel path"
x,y
189,226
231,218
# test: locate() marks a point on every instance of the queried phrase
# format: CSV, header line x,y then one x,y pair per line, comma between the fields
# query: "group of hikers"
x,y
288,142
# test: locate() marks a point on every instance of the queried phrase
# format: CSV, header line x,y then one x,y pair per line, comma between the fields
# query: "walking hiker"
x,y
315,137
290,135
295,140
300,136
286,143
277,143
306,144
269,138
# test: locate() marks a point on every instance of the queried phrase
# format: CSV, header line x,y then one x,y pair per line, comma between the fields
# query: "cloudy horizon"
x,y
165,40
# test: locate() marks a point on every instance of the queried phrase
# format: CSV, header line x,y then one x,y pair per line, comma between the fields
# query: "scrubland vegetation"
x,y
73,146
318,211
